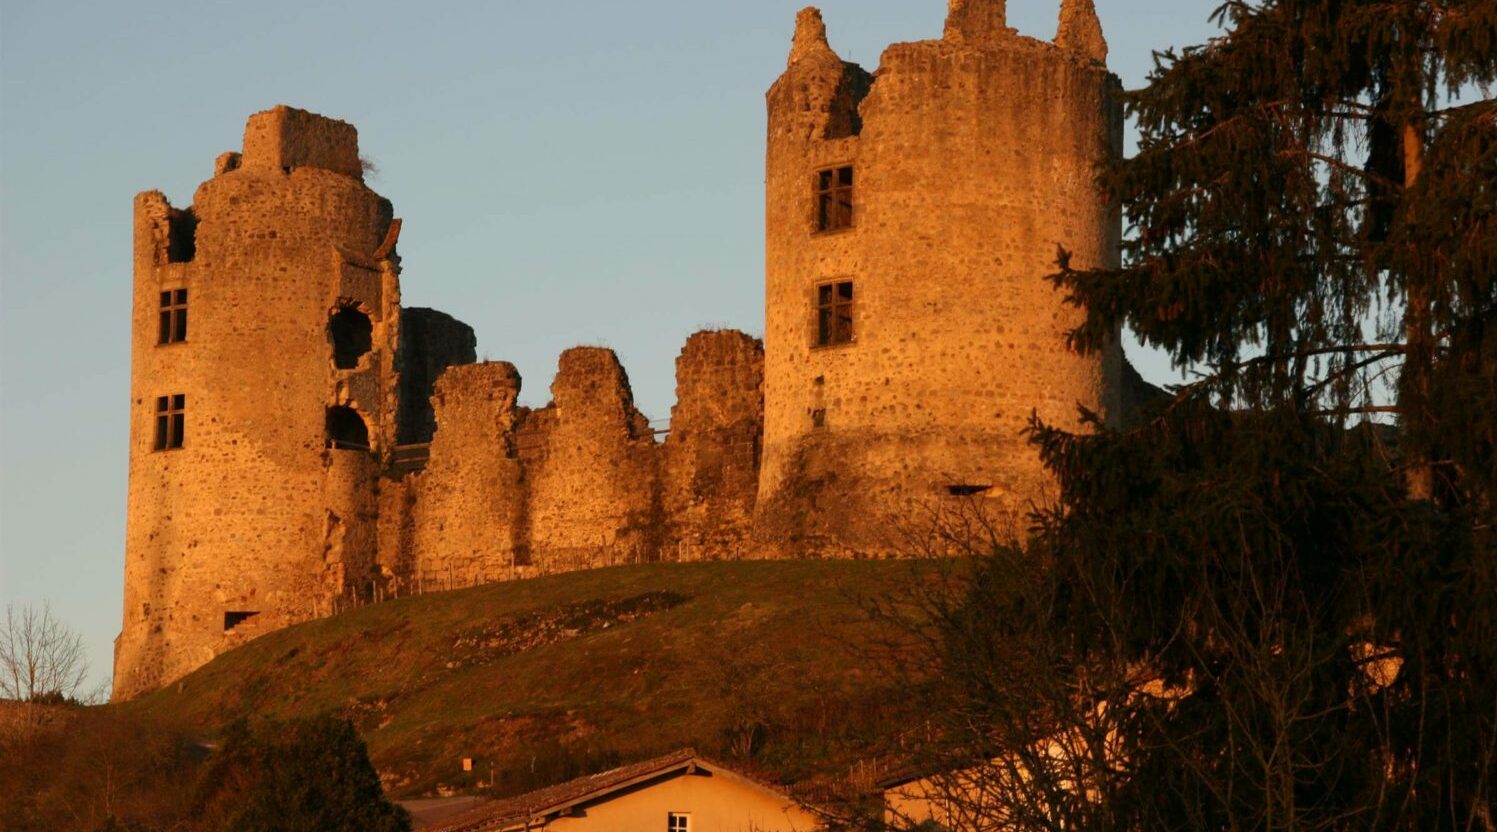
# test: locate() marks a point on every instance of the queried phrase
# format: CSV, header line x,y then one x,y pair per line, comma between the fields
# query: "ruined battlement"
x,y
283,138
308,442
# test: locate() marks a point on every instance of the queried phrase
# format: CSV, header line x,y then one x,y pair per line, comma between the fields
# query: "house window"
x,y
171,421
678,822
834,199
173,317
834,314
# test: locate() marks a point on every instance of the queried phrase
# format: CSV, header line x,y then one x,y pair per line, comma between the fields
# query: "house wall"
x,y
717,803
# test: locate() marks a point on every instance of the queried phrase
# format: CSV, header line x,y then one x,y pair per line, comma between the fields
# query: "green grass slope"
x,y
770,663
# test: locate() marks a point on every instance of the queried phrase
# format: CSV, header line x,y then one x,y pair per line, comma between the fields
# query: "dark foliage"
x,y
308,774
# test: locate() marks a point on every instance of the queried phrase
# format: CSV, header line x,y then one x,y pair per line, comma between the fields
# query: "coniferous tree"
x,y
301,775
1263,608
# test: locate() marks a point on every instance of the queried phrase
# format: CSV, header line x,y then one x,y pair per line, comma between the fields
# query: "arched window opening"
x,y
346,429
352,334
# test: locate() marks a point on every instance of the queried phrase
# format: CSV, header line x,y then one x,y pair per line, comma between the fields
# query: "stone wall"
x,y
469,505
590,469
710,467
511,492
430,342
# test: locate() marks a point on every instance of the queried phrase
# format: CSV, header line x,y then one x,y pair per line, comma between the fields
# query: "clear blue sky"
x,y
569,171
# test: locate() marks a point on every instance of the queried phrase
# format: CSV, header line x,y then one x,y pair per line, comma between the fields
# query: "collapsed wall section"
x,y
590,469
710,470
468,516
510,492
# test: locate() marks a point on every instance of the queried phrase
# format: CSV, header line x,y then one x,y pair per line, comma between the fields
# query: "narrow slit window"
x,y
834,199
171,421
834,311
234,619
173,317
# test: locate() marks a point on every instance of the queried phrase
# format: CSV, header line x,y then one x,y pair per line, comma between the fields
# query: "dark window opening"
x,y
352,334
834,199
968,490
346,429
173,317
181,237
234,619
834,314
818,418
171,421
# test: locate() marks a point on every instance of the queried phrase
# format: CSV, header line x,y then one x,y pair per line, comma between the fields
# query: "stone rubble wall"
x,y
511,492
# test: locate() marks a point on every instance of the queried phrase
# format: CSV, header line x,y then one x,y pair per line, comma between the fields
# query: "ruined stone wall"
x,y
253,513
511,492
974,160
590,469
469,505
710,465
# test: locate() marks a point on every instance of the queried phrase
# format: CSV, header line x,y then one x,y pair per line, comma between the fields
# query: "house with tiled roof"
x,y
679,792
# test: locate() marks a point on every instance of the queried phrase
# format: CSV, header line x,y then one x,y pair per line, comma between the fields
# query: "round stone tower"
x,y
263,393
912,218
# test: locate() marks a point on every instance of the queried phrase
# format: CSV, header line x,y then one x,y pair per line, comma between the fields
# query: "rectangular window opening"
x,y
678,822
234,619
171,421
182,236
834,199
173,317
834,314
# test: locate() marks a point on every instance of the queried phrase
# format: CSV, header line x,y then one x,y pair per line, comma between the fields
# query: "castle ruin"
x,y
299,441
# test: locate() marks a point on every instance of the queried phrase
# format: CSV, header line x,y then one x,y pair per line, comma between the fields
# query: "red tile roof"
x,y
501,814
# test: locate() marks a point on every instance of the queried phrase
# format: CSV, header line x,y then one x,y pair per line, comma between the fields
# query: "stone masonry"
x,y
301,442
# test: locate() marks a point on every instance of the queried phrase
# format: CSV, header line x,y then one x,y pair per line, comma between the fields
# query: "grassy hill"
x,y
771,663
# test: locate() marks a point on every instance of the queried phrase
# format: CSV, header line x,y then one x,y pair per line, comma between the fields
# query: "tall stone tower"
x,y
911,220
263,390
